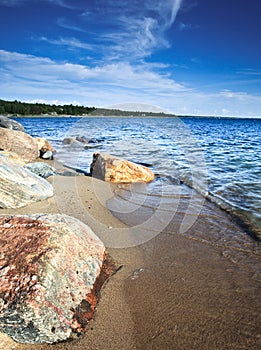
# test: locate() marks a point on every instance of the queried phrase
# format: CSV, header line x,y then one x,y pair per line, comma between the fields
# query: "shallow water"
x,y
221,158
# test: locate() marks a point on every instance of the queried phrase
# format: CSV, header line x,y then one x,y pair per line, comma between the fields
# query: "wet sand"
x,y
194,290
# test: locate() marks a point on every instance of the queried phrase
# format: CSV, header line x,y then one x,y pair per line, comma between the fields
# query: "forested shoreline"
x,y
17,108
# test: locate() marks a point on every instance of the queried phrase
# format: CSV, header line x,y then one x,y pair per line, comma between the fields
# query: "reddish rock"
x,y
20,143
118,170
50,276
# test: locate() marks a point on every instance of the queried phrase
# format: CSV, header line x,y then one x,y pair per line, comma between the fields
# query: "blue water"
x,y
221,158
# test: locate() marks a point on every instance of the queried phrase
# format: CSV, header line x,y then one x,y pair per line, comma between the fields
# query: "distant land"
x,y
24,109
41,110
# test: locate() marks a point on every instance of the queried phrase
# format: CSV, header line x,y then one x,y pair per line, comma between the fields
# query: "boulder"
x,y
49,265
13,157
43,146
8,123
19,187
82,139
69,140
20,143
118,170
41,169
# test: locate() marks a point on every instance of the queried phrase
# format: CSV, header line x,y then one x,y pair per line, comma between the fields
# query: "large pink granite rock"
x,y
49,265
118,170
20,143
20,187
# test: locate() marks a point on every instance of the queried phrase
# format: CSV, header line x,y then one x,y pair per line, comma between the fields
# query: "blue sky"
x,y
196,57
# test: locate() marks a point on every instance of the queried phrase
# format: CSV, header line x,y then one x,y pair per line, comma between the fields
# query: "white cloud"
x,y
118,30
250,71
62,22
186,26
71,43
26,77
134,29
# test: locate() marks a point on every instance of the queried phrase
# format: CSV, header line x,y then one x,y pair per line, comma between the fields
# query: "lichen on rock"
x,y
49,269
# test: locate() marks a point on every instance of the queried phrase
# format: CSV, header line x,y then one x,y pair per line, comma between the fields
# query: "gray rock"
x,y
20,187
8,123
69,140
41,169
82,139
47,155
49,266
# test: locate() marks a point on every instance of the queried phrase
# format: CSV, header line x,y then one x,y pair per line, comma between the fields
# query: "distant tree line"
x,y
119,112
17,108
23,108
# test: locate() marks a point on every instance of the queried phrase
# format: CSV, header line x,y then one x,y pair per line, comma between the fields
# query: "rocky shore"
x,y
52,266
174,291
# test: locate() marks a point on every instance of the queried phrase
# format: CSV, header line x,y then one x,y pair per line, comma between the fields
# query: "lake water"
x,y
220,158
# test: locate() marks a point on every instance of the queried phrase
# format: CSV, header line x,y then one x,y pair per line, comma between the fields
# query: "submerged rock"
x,y
41,169
20,143
49,266
82,139
118,170
8,123
70,140
20,187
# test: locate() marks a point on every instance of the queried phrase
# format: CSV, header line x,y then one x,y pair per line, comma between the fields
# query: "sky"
x,y
187,57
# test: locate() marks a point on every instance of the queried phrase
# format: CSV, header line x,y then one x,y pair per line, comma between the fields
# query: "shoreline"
x,y
129,116
173,291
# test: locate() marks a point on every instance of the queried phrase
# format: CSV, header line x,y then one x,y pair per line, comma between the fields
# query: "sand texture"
x,y
175,291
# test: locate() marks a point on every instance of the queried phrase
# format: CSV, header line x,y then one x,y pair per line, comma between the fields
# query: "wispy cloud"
x,y
249,71
62,22
126,26
140,29
40,78
186,26
126,29
136,36
71,43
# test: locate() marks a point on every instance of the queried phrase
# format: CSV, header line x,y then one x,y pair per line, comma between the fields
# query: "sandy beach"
x,y
172,292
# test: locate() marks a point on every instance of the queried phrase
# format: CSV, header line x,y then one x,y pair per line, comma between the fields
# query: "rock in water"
x,y
20,143
48,268
8,123
41,169
118,170
82,139
19,187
